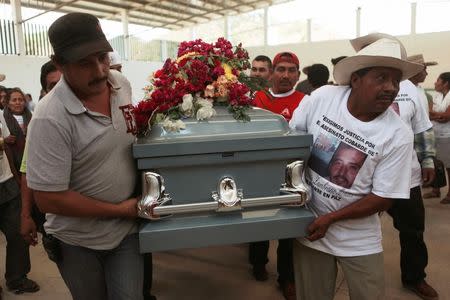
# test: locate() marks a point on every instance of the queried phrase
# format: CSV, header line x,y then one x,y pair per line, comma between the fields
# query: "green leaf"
x,y
239,113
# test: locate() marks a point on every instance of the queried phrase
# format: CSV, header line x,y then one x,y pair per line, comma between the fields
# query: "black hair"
x,y
46,69
59,59
264,59
318,75
445,77
14,90
335,60
3,88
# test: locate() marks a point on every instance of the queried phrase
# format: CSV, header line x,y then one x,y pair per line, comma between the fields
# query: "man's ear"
x,y
56,63
355,80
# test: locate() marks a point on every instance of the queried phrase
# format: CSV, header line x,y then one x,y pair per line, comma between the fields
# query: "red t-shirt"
x,y
284,106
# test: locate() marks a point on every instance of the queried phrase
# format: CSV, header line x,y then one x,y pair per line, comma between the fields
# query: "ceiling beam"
x,y
220,4
231,7
55,8
144,7
157,13
159,5
197,7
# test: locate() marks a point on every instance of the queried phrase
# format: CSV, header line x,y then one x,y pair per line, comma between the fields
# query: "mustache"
x,y
285,81
390,96
97,80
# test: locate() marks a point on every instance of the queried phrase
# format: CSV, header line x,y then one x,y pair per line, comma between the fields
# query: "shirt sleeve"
x,y
420,120
50,159
302,114
23,166
4,128
392,177
424,145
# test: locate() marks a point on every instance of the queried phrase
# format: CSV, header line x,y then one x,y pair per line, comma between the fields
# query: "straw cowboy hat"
x,y
375,50
2,77
418,59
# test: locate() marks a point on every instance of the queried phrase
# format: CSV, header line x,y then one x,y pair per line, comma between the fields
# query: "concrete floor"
x,y
223,272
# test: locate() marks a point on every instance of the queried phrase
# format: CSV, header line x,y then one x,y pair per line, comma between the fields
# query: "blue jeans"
x,y
115,274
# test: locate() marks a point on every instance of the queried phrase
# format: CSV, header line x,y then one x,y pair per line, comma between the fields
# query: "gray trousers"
x,y
316,272
115,274
17,250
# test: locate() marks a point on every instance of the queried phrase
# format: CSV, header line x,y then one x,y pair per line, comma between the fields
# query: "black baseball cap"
x,y
77,35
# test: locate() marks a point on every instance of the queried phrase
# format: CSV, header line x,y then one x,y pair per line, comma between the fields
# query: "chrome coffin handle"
x,y
228,195
295,192
214,205
153,195
295,182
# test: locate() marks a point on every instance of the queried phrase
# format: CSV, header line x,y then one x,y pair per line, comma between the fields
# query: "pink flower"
x,y
209,91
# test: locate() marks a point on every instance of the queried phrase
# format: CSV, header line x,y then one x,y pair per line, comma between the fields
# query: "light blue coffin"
x,y
192,162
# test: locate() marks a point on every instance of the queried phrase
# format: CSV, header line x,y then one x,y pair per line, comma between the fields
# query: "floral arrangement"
x,y
203,75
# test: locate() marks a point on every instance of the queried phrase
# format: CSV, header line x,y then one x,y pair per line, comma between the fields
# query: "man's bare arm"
x,y
28,228
73,204
364,207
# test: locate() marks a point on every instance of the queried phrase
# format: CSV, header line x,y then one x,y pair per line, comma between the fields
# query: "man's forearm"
x,y
74,204
364,207
27,197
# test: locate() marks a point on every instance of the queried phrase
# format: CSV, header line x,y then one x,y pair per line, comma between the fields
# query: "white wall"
x,y
138,73
24,72
434,47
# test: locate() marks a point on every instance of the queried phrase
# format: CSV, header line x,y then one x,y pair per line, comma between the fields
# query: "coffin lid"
x,y
220,134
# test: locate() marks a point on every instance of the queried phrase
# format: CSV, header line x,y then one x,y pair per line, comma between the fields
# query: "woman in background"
x,y
440,116
17,116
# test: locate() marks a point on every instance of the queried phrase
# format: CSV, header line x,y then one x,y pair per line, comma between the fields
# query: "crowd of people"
x,y
372,122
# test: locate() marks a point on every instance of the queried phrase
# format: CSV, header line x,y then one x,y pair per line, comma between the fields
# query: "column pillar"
x,y
358,22
126,36
19,36
413,17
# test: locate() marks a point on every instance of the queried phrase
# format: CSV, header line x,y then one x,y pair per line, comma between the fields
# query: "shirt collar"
x,y
282,94
71,102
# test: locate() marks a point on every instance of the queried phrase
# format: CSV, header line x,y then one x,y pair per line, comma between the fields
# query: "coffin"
x,y
222,181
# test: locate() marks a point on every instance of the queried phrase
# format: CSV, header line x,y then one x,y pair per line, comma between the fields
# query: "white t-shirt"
x,y
413,112
5,170
423,98
20,121
440,104
349,160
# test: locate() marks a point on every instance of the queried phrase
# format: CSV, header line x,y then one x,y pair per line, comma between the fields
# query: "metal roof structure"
x,y
170,14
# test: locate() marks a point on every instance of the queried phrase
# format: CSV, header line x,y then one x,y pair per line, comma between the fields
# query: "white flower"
x,y
205,112
187,106
187,102
172,126
204,102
